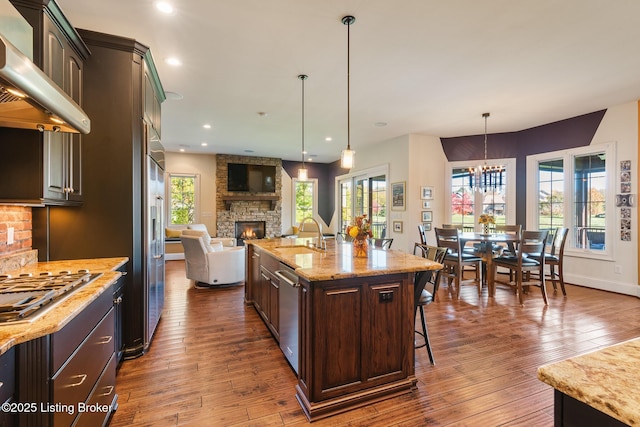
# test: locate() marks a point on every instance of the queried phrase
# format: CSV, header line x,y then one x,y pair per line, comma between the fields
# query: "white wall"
x,y
204,165
619,125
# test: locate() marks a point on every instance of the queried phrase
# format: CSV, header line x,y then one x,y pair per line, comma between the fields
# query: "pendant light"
x,y
303,174
484,177
347,156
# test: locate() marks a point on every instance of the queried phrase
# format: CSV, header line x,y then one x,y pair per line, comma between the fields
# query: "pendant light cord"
x,y
303,77
349,86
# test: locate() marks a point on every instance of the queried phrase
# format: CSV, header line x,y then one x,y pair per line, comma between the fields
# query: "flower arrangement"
x,y
486,219
360,229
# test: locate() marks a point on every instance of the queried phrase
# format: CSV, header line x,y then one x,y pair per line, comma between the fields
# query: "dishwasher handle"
x,y
282,274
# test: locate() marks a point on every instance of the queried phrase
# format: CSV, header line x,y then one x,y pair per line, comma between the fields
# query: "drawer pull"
x,y
82,377
117,301
1,384
105,340
110,388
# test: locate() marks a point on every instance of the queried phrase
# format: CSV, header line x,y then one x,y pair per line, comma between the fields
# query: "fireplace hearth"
x,y
247,230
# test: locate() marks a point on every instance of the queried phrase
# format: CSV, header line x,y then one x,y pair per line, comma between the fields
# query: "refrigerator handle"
x,y
157,224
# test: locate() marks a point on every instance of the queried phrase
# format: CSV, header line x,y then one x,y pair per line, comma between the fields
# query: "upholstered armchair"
x,y
212,261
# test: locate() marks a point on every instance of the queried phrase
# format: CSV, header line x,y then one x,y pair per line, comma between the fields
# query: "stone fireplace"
x,y
233,207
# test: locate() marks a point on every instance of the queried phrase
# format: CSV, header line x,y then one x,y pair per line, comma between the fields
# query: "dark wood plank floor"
x,y
214,363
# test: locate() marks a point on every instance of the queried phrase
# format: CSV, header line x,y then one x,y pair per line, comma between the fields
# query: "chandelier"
x,y
485,177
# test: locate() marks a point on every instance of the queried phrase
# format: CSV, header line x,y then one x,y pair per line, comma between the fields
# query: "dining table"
x,y
486,250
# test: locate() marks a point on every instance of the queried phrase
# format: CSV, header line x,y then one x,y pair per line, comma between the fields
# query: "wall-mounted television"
x,y
251,178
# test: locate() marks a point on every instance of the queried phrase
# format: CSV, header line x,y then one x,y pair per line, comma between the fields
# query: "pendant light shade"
x,y
303,173
347,156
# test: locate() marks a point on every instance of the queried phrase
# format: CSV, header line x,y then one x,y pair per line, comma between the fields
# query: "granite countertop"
x,y
338,262
65,310
607,380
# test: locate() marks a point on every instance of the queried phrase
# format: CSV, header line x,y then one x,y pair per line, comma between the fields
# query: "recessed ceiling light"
x,y
206,126
263,113
328,139
181,150
248,151
380,124
173,61
204,144
304,152
164,7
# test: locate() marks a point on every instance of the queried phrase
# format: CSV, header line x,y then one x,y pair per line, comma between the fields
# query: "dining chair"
x,y
522,265
423,238
456,259
424,296
382,243
554,258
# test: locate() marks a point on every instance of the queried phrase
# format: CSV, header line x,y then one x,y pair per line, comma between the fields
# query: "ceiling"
x,y
427,67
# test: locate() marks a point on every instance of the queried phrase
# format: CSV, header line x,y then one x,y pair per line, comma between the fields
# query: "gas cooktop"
x,y
26,294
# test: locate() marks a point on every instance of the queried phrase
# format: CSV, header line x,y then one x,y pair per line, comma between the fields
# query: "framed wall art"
x,y
397,226
398,191
426,193
427,226
426,204
427,216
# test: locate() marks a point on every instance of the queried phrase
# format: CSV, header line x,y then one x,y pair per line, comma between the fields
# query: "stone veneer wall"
x,y
246,210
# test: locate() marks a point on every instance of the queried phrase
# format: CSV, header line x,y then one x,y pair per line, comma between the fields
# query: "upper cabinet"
x,y
46,168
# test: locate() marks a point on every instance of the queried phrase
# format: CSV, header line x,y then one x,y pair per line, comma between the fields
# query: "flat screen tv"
x,y
251,178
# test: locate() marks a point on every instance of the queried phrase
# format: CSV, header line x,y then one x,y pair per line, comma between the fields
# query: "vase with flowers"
x,y
360,231
486,220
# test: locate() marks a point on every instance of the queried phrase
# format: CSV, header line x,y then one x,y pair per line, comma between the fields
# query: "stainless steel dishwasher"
x,y
289,321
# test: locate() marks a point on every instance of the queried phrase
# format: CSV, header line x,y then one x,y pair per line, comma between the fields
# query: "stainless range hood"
x,y
30,100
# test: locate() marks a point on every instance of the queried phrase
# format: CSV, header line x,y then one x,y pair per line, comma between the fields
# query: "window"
x,y
365,193
573,190
305,199
182,200
550,194
467,204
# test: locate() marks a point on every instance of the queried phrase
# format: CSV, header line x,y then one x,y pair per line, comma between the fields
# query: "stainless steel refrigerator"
x,y
154,235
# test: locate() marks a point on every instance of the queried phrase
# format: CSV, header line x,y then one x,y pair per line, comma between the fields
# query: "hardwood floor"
x,y
214,363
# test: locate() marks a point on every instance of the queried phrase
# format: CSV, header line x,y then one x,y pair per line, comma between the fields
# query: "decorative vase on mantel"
x,y
360,248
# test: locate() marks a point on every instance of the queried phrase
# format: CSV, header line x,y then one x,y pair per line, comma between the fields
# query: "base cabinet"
x,y
570,412
7,386
70,371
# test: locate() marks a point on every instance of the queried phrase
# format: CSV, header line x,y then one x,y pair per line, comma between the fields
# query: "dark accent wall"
x,y
562,135
325,173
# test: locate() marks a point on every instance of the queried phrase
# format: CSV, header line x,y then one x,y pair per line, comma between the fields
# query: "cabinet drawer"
x,y
65,341
78,376
7,375
103,396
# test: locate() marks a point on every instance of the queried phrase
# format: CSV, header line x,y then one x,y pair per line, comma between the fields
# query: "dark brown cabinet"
x,y
265,288
74,367
46,168
7,386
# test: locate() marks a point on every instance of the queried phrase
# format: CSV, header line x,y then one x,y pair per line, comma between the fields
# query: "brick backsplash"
x,y
19,218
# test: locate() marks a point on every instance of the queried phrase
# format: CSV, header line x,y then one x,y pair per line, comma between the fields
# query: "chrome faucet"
x,y
322,244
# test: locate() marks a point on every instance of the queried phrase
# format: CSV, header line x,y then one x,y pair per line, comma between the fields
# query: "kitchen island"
x,y
601,388
355,332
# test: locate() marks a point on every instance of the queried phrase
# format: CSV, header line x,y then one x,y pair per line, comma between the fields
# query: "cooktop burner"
x,y
26,294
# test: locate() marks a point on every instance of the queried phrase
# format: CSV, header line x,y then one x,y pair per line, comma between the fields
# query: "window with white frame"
x,y
365,193
574,189
182,198
305,199
467,204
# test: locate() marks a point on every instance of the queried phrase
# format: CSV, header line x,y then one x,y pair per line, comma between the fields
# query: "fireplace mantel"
x,y
228,200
